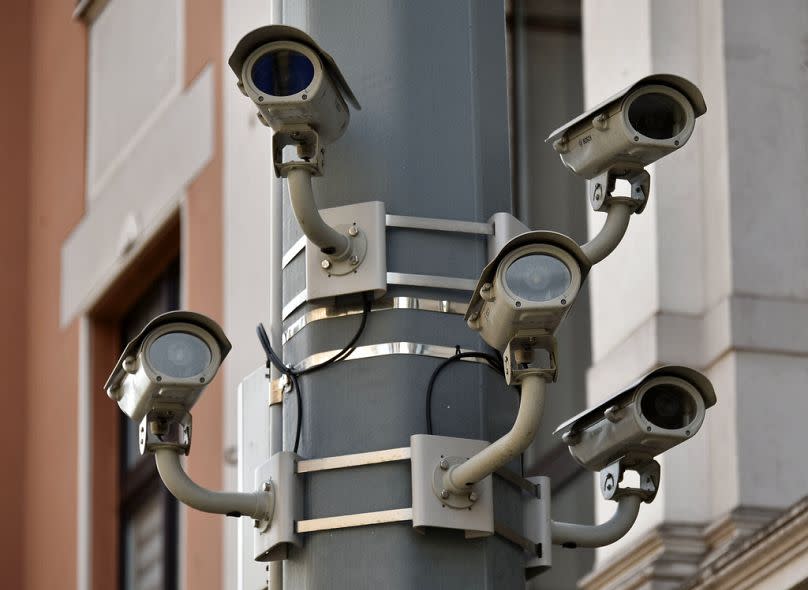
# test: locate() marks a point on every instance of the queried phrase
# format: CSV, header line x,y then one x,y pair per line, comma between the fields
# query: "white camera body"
x,y
168,364
528,288
636,126
664,408
293,82
628,131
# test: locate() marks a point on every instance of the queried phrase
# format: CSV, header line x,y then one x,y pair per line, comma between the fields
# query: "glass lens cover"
x,y
668,406
538,277
282,72
179,355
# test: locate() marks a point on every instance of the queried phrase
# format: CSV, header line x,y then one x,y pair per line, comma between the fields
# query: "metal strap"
x,y
431,281
353,520
386,349
292,252
445,225
294,303
354,460
408,222
385,304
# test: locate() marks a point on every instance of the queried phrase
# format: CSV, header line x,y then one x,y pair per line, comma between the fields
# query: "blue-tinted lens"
x,y
282,72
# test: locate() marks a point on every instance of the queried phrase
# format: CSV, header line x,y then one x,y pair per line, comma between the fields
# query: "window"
x,y
148,513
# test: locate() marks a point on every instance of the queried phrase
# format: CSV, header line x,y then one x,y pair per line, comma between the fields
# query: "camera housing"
x,y
655,413
168,364
524,294
296,85
628,131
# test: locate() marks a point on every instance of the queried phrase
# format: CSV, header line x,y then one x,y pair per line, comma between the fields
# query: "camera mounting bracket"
x,y
165,428
601,197
309,150
523,356
611,476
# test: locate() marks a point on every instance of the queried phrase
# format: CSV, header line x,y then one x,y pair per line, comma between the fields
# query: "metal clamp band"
x,y
354,460
292,252
409,222
385,304
444,225
294,303
431,281
354,520
386,349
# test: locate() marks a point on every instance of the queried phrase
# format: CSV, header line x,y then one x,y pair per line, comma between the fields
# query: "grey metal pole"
x,y
431,140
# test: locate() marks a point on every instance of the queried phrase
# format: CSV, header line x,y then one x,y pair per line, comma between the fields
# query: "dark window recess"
x,y
148,513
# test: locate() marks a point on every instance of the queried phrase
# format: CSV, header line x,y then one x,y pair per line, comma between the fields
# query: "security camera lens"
x,y
282,72
668,406
657,115
538,277
179,355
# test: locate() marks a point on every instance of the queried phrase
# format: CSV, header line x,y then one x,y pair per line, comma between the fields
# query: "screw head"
x,y
325,264
444,464
444,494
598,193
354,260
608,484
257,523
473,497
353,231
267,487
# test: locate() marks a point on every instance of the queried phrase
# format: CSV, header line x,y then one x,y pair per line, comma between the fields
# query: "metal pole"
x,y
431,140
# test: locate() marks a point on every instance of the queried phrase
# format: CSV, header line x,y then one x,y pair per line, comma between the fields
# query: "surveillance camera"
x,y
293,82
168,364
525,293
662,409
628,131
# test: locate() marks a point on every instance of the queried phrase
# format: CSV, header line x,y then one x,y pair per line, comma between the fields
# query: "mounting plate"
x,y
536,516
476,517
327,277
271,542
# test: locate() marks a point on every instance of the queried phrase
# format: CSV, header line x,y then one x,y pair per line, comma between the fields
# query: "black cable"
x,y
492,362
293,375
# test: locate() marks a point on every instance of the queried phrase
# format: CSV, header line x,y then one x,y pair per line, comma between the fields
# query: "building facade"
x,y
135,181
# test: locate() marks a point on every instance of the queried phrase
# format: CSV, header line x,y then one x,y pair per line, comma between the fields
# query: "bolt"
x,y
325,264
353,231
444,494
444,464
473,497
267,486
354,260
598,194
257,523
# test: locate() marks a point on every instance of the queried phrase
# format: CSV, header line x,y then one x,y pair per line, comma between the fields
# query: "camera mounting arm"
x,y
331,242
458,478
613,230
579,535
167,434
257,505
628,507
